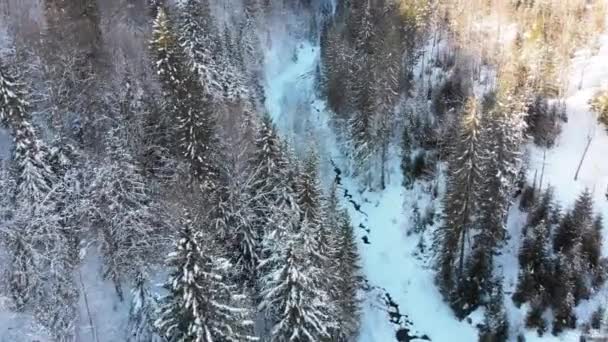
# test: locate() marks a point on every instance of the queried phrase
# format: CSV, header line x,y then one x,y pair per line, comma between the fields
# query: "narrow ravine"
x,y
400,301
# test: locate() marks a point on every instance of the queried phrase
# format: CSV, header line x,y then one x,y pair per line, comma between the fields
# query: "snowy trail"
x,y
399,285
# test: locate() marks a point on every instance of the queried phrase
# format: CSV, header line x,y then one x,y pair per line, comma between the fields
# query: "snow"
x,y
561,161
387,261
588,74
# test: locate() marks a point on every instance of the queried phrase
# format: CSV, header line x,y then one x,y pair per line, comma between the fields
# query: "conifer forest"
x,y
303,170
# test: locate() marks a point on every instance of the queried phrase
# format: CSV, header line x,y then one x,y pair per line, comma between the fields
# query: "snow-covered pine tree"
x,y
188,102
13,103
536,266
573,225
48,233
336,65
406,158
249,44
592,248
123,212
267,166
31,155
361,134
142,312
347,281
310,195
464,180
387,65
501,138
563,295
496,325
35,176
232,65
542,209
362,123
291,297
233,215
198,37
201,305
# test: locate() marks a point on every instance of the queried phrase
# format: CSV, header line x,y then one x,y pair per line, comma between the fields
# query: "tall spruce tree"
x,y
464,180
496,325
198,37
501,137
536,266
201,305
187,101
348,279
575,224
291,297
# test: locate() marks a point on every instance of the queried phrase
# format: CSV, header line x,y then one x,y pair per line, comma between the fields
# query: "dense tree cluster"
x,y
362,70
184,157
560,261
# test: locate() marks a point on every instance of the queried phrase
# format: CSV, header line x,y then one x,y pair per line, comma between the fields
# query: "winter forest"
x,y
303,170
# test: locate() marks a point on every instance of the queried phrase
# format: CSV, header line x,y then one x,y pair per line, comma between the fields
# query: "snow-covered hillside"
x,y
558,167
400,291
400,300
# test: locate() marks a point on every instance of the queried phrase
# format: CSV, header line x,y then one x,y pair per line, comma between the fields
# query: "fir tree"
x,y
268,165
13,103
189,103
309,190
573,226
231,63
406,158
200,303
563,296
250,45
198,38
542,210
347,275
122,207
35,176
464,179
535,264
496,325
142,312
291,297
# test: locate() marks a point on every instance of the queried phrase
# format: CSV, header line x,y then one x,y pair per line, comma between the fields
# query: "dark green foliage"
x,y
406,158
187,101
200,304
451,96
564,299
574,224
496,326
536,268
597,318
543,121
542,210
534,318
464,179
348,280
528,198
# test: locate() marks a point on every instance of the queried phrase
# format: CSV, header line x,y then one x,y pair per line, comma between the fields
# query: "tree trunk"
x,y
580,164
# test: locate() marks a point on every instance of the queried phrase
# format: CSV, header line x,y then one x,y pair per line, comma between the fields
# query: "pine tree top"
x,y
13,103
